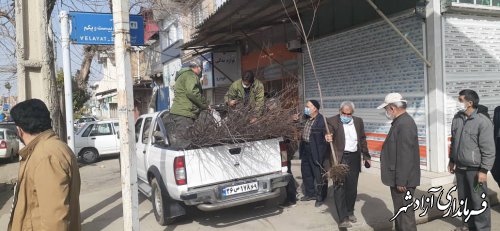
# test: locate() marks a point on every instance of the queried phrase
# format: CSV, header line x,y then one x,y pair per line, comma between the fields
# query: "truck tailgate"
x,y
229,162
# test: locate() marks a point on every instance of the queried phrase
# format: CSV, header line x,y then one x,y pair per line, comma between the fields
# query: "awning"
x,y
226,25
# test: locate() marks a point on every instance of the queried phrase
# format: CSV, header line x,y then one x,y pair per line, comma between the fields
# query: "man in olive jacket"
x,y
247,91
187,104
400,159
48,186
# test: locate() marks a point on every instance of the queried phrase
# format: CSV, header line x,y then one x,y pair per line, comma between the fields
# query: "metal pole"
x,y
126,115
138,64
379,12
68,91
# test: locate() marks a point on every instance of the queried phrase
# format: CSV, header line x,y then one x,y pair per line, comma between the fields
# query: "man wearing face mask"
x,y
188,102
400,159
314,154
349,141
247,91
48,187
472,155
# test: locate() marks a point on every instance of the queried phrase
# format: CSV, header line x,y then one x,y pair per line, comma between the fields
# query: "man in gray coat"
x,y
472,156
400,159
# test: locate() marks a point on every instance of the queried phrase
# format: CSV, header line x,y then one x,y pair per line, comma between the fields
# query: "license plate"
x,y
242,188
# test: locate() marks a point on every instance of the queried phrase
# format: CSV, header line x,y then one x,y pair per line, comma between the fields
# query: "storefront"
x,y
363,65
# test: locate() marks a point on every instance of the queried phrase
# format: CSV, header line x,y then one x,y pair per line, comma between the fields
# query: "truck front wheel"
x,y
159,200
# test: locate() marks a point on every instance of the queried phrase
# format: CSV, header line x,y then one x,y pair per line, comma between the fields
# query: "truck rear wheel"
x,y
159,200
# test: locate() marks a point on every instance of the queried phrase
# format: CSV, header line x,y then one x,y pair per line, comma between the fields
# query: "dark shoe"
x,y
288,204
318,204
307,198
353,219
345,224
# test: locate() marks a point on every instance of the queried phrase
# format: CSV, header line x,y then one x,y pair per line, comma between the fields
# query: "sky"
x,y
96,74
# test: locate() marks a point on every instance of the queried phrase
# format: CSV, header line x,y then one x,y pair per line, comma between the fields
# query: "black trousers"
x,y
291,188
345,193
312,175
177,126
466,182
405,221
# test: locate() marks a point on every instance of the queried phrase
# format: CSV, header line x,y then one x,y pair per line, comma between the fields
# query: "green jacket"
x,y
188,100
237,92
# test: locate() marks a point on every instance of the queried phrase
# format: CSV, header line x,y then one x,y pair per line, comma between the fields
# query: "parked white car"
x,y
9,145
97,139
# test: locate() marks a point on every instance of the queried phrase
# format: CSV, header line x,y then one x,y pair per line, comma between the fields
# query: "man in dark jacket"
x,y
400,159
187,104
496,135
314,153
472,155
349,142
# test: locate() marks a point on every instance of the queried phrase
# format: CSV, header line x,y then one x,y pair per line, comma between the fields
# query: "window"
x,y
11,136
479,2
197,14
2,135
117,128
137,129
102,130
145,130
87,131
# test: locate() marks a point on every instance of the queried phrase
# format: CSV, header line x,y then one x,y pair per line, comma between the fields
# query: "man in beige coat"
x,y
48,186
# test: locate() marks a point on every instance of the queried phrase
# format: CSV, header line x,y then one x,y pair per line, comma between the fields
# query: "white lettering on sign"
x,y
95,39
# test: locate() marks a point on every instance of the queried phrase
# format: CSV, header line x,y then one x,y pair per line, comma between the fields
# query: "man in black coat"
x,y
495,172
400,159
314,154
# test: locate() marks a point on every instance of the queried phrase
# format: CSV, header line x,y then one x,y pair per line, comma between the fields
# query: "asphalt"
x,y
101,206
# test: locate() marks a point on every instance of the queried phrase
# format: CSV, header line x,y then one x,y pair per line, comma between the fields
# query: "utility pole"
x,y
125,114
35,55
68,91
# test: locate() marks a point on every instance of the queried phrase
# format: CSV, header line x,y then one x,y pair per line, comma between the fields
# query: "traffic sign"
x,y
97,29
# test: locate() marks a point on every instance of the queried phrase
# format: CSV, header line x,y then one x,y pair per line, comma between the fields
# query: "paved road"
x,y
102,209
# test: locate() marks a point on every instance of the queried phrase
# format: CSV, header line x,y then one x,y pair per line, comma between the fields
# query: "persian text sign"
x,y
97,29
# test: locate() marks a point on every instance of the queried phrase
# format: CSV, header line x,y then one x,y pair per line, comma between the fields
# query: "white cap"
x,y
391,98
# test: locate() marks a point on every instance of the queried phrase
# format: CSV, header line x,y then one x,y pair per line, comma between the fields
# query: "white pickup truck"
x,y
210,178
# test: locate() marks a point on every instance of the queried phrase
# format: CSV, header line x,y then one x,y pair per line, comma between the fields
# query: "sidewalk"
x,y
374,206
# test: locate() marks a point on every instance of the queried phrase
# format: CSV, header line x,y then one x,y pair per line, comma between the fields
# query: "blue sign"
x,y
97,29
6,106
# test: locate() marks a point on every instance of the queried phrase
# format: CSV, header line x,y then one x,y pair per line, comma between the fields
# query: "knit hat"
x,y
315,103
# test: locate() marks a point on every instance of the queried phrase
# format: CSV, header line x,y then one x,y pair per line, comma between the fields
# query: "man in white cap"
x,y
400,159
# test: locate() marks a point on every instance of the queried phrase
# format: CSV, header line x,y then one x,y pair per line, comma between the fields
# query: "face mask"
x,y
345,119
307,111
245,86
461,107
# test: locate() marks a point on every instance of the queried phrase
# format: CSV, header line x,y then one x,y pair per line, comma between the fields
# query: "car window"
x,y
87,131
11,135
145,130
137,129
102,130
2,135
